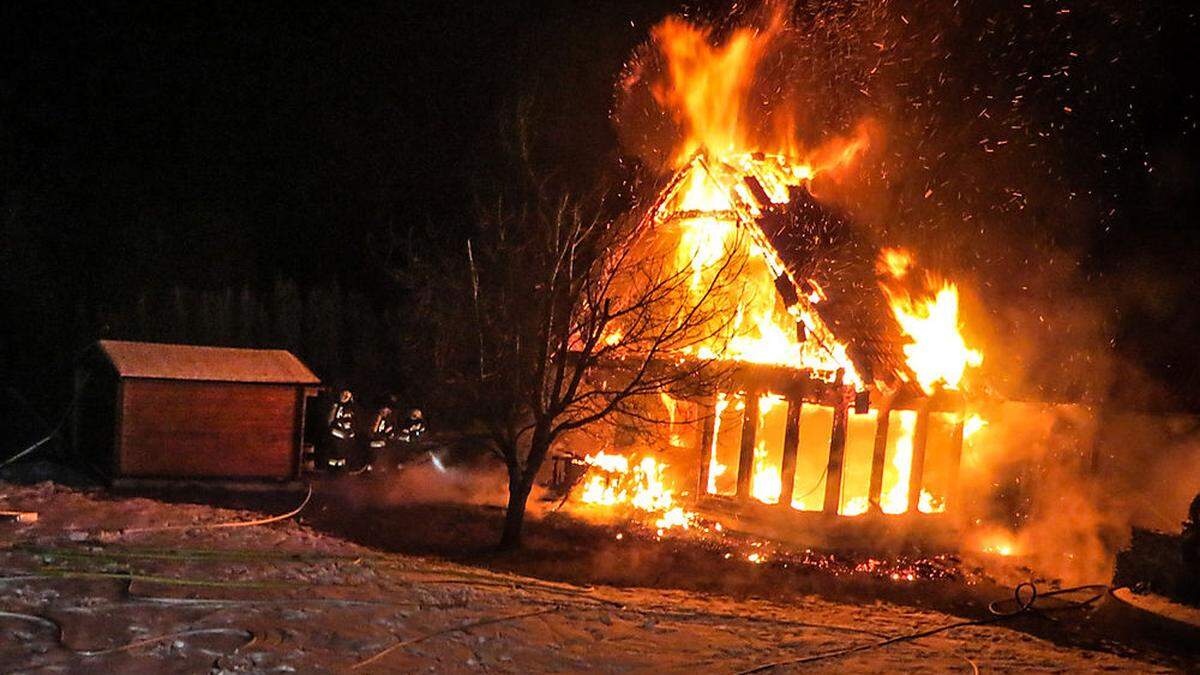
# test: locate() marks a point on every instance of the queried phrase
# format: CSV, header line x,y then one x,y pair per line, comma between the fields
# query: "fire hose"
x,y
249,636
46,621
1025,604
235,523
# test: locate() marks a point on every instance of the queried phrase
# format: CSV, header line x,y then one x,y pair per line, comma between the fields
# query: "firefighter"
x,y
341,432
382,437
414,426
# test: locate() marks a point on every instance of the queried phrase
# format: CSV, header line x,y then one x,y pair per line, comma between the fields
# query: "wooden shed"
x,y
166,411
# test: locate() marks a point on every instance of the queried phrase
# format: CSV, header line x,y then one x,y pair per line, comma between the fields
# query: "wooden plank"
x,y
298,436
114,458
208,430
708,420
956,449
879,457
916,476
791,445
746,458
837,455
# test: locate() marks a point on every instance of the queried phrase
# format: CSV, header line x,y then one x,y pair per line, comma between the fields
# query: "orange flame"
x,y
706,88
998,542
766,484
708,84
714,225
973,425
642,485
715,467
672,408
731,173
896,474
938,354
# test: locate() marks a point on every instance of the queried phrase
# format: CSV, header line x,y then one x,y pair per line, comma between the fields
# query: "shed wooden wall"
x,y
179,428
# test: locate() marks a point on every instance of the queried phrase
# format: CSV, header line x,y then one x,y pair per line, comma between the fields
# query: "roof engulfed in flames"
x,y
714,206
734,177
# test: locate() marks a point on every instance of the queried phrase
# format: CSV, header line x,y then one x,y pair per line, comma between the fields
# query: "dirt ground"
x,y
358,583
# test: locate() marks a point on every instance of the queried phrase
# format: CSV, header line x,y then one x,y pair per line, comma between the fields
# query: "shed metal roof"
x,y
209,364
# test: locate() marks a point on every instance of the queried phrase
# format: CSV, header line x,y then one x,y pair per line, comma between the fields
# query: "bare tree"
x,y
557,317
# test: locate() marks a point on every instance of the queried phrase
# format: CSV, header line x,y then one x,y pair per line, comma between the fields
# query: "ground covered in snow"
x,y
363,585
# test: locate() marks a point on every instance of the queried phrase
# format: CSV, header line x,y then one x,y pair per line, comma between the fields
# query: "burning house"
x,y
845,359
836,403
852,409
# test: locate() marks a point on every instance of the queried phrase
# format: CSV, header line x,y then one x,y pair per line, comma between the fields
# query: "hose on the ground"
x,y
213,526
1023,602
51,623
66,573
1025,597
486,621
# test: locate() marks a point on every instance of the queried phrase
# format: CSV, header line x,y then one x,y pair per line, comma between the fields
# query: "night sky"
x,y
232,145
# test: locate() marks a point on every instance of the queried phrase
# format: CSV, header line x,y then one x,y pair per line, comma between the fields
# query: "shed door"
x,y
179,428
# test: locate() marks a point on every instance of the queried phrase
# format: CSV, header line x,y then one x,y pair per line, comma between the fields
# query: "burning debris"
x,y
614,482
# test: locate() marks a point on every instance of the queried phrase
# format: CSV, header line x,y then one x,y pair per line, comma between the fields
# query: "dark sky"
x,y
145,145
297,128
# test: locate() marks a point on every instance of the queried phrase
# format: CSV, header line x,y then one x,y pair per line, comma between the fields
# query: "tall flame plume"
x,y
927,311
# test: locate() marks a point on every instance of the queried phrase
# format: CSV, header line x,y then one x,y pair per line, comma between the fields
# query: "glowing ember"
x,y
998,542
